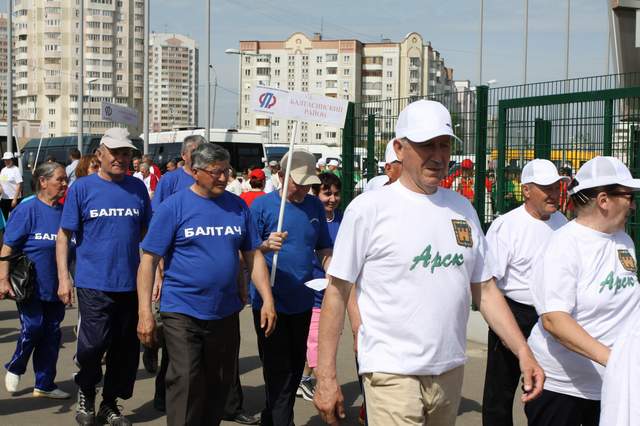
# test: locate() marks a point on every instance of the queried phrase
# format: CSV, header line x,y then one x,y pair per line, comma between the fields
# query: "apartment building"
x,y
346,69
47,50
173,81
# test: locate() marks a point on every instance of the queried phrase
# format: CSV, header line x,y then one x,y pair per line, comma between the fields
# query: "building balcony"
x,y
372,66
52,54
414,67
414,80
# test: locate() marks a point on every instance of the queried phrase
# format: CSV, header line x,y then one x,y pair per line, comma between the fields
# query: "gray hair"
x,y
208,153
45,170
192,141
144,166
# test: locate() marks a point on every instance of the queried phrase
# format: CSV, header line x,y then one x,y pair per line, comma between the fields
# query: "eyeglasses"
x,y
215,174
627,195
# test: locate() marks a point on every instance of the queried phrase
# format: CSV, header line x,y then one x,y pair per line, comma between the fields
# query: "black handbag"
x,y
22,273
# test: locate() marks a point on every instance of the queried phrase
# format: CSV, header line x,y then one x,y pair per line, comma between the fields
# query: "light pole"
x,y
89,83
481,36
208,73
526,40
242,54
145,106
81,82
10,80
215,88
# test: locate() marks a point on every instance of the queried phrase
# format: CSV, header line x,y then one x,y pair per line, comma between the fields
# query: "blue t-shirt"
x,y
108,218
32,228
169,184
308,232
199,239
318,272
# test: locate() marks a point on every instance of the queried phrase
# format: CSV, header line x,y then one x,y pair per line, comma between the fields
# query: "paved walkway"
x,y
22,409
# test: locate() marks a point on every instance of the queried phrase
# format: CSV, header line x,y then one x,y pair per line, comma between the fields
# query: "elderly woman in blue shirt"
x,y
32,229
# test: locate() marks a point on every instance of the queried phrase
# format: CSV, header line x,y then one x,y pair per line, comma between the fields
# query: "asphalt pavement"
x,y
22,409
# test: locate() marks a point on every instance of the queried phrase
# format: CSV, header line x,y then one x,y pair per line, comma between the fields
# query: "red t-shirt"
x,y
249,196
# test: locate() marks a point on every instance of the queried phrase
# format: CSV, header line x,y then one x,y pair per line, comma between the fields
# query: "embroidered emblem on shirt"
x,y
463,233
627,260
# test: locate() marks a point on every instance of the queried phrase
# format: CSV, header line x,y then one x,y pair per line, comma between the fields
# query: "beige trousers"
x,y
413,400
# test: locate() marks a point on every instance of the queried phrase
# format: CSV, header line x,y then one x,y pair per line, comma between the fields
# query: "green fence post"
x,y
502,158
608,128
348,142
542,139
371,148
482,111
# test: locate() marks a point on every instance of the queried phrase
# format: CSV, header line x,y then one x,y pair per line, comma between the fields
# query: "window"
x,y
346,71
318,136
389,87
376,60
318,72
389,62
390,74
277,59
332,70
332,57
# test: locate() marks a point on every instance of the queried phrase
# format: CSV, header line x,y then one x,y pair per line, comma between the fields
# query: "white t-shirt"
x,y
71,171
412,257
591,276
10,177
235,187
515,240
621,385
138,175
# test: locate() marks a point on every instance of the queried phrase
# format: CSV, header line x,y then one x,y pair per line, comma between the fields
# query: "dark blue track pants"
x,y
39,334
108,322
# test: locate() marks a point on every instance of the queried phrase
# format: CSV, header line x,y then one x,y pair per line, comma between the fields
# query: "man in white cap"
x,y
273,183
305,235
414,279
515,240
109,213
332,167
11,184
321,164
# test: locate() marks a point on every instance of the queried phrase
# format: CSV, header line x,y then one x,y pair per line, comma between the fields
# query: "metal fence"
x,y
566,121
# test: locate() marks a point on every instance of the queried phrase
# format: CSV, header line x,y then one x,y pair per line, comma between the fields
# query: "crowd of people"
x,y
170,260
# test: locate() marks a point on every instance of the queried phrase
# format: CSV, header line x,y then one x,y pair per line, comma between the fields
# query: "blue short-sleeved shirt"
x,y
108,218
32,228
199,239
318,272
308,232
169,184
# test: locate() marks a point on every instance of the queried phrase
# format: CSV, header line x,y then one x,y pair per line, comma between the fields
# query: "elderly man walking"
x,y
305,236
417,254
200,231
515,241
109,213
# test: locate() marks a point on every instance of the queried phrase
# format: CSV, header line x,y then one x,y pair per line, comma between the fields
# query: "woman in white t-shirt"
x,y
11,185
585,287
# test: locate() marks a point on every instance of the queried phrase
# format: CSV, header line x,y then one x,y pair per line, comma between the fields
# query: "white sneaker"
x,y
54,394
11,381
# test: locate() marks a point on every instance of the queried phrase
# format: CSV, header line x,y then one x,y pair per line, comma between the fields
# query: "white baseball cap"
x,y
602,171
334,162
541,172
423,120
390,153
321,163
7,156
117,137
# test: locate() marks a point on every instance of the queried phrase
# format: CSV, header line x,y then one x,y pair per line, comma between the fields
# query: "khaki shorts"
x,y
394,399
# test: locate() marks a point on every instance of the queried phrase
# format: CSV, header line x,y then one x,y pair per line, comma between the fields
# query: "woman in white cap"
x,y
585,286
11,185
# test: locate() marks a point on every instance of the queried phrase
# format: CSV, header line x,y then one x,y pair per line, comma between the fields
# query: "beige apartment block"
x,y
47,55
173,81
345,69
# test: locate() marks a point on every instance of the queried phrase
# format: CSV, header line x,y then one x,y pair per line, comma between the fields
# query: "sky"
x,y
452,27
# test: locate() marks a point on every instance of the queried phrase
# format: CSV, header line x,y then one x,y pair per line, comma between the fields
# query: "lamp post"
x,y
89,83
208,133
215,88
242,54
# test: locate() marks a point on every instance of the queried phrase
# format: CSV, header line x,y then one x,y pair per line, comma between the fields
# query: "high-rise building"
x,y
173,81
345,69
4,22
47,54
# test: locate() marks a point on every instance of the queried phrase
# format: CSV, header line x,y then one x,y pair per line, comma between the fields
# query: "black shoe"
x,y
159,404
110,414
244,419
85,411
150,360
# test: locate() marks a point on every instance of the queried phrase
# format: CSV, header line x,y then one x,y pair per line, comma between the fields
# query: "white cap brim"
x,y
546,180
633,184
421,136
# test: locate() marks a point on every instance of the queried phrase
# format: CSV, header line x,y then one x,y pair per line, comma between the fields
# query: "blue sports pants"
x,y
39,334
108,322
